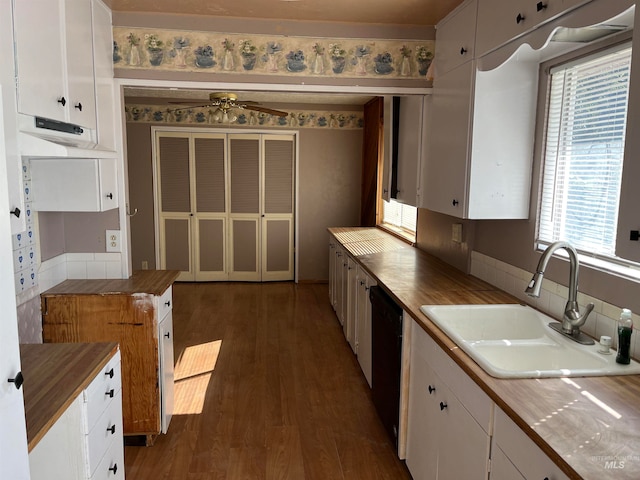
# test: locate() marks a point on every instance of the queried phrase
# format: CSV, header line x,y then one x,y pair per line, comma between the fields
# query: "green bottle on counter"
x,y
625,328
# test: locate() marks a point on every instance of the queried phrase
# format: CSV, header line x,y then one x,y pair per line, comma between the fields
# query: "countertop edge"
x,y
58,399
477,375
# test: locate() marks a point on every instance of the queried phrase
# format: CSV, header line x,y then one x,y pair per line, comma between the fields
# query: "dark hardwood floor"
x,y
266,388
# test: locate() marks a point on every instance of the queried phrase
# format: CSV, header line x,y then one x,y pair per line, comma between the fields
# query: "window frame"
x,y
619,266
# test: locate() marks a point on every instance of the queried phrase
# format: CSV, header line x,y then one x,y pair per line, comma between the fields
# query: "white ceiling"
x,y
387,12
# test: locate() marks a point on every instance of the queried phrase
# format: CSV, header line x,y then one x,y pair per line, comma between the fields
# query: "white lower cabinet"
x,y
349,326
454,429
448,434
363,321
166,369
513,451
86,441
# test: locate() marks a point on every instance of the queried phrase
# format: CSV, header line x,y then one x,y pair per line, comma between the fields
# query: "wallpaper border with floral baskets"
x,y
345,120
224,53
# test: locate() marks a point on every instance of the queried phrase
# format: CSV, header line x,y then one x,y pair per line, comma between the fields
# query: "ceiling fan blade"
x,y
197,103
270,111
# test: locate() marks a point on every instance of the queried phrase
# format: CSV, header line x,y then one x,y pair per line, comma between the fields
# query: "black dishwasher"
x,y
386,353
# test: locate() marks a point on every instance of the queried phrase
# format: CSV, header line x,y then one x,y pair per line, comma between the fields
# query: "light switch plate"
x,y
113,240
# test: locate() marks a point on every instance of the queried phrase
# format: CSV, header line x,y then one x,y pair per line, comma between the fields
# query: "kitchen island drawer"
x,y
108,428
165,303
112,465
102,390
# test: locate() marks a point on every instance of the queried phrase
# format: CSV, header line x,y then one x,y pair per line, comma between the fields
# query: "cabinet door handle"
x,y
455,202
168,303
431,389
114,469
110,373
541,6
519,19
463,51
112,429
62,101
78,106
109,196
16,212
17,381
361,283
442,406
110,393
168,334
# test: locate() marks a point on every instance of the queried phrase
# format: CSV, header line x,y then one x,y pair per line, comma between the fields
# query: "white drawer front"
x,y
466,390
102,390
107,429
165,303
112,465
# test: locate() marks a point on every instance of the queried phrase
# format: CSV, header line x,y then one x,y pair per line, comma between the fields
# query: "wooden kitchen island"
x,y
136,313
588,426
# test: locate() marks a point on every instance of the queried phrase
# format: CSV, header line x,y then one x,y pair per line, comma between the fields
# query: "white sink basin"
x,y
515,341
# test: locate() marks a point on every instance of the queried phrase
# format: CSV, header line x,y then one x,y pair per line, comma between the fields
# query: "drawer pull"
x,y
168,303
109,196
463,51
112,429
110,373
110,393
62,101
442,406
114,469
519,19
431,389
541,6
16,212
168,334
17,381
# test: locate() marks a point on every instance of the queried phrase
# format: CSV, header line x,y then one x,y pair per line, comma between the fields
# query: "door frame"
x,y
225,131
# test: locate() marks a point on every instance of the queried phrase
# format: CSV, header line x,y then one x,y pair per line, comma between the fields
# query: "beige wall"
x,y
74,232
329,193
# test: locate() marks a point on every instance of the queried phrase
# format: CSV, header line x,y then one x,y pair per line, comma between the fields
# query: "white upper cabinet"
x,y
54,60
480,139
456,38
500,21
40,58
103,65
74,184
80,71
410,148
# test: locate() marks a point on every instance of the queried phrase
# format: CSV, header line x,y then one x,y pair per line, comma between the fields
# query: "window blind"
x,y
584,151
400,215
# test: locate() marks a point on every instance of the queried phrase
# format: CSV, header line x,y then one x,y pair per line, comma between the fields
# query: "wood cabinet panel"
x,y
127,319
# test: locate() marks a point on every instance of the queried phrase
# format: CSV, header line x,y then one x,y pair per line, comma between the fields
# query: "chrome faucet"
x,y
572,320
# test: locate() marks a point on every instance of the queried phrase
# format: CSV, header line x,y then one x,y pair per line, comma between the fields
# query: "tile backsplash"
x,y
553,297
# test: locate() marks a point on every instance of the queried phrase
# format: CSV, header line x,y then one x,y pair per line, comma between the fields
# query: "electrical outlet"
x,y
145,265
113,240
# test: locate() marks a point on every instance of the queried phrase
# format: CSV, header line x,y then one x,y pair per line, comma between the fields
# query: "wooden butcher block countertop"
x,y
153,282
54,376
581,423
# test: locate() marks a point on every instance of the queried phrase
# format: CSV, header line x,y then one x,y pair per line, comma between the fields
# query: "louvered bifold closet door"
x,y
278,201
210,216
174,194
244,211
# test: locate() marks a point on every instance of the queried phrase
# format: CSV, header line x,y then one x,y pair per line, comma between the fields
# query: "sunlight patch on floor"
x,y
192,375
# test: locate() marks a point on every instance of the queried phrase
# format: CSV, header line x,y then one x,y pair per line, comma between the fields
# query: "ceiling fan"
x,y
225,101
